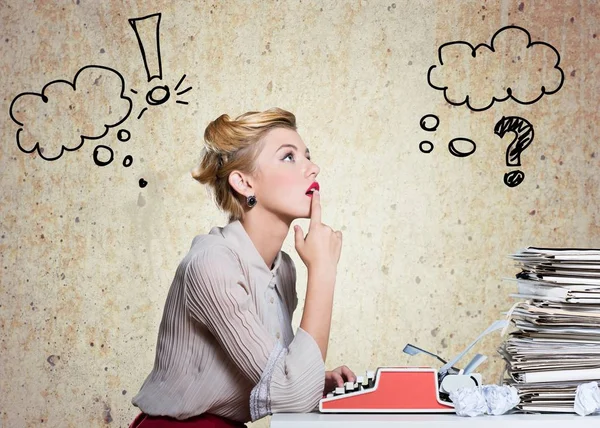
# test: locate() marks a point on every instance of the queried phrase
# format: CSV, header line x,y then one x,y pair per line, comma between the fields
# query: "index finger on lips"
x,y
315,208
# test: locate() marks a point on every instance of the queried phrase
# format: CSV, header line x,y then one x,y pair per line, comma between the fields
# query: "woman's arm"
x,y
316,318
320,252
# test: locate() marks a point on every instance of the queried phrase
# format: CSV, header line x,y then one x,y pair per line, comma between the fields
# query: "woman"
x,y
226,352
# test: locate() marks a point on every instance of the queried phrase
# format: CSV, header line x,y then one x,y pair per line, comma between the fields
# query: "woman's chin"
x,y
301,213
304,215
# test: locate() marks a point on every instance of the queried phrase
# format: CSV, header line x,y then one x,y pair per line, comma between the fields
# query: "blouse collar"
x,y
235,233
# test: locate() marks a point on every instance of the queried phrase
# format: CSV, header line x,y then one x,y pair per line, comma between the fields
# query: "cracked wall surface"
x,y
98,204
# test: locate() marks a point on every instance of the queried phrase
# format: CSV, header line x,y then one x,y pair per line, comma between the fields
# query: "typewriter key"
x,y
371,379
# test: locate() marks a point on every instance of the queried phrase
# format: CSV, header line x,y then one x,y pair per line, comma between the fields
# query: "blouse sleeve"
x,y
287,379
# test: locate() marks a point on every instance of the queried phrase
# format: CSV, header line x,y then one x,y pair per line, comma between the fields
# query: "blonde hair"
x,y
231,145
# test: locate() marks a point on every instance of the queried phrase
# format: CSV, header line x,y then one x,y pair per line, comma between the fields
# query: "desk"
x,y
319,420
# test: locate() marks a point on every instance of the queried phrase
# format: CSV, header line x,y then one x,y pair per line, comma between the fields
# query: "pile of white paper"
x,y
556,344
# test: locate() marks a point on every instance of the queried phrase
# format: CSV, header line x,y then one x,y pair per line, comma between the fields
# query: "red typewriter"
x,y
407,389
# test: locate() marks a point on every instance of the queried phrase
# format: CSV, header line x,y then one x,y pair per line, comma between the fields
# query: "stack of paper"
x,y
556,344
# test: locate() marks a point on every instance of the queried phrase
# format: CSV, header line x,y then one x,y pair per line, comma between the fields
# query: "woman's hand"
x,y
320,252
321,248
337,377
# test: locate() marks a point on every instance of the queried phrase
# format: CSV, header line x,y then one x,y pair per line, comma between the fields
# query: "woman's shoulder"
x,y
211,247
207,240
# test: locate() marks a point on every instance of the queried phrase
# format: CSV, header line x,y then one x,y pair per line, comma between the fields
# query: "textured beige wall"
x,y
87,254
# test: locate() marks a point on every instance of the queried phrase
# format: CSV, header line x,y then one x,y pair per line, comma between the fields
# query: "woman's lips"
x,y
314,186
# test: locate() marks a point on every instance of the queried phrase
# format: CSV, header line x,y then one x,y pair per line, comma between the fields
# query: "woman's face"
x,y
284,175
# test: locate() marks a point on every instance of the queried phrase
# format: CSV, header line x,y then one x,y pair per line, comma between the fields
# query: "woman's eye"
x,y
289,157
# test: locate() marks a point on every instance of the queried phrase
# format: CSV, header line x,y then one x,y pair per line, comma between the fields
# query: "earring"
x,y
251,200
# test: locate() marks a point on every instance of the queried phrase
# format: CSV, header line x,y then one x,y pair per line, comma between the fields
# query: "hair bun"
x,y
207,171
222,135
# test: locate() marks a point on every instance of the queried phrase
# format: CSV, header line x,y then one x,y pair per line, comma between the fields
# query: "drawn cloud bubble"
x,y
64,114
512,66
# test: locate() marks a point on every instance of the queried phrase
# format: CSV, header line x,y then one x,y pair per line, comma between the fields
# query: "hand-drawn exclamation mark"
x,y
148,28
147,31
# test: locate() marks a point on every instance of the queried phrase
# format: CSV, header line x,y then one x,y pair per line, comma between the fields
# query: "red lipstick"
x,y
314,186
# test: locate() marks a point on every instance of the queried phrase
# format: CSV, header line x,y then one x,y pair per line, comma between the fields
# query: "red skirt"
x,y
202,421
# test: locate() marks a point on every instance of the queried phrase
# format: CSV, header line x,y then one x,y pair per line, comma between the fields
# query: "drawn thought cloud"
x,y
512,66
64,113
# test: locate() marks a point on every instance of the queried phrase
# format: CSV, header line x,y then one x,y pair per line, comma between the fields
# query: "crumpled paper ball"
x,y
500,399
468,401
487,399
587,398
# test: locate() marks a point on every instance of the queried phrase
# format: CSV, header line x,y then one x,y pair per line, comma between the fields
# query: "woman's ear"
x,y
240,183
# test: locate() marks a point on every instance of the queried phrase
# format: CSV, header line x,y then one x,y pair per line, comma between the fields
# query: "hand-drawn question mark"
x,y
523,131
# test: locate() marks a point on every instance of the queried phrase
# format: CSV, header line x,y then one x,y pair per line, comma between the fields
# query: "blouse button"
x,y
272,300
277,335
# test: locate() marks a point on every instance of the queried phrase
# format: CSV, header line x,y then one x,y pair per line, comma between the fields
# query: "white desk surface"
x,y
314,420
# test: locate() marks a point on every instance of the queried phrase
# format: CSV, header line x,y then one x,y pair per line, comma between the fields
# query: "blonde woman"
x,y
226,353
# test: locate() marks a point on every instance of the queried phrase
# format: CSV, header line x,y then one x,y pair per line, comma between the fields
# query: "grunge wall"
x,y
438,159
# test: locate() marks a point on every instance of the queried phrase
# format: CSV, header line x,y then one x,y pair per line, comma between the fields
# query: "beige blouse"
x,y
225,343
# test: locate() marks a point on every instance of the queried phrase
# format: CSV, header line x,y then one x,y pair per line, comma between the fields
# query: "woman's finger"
x,y
315,210
348,374
337,378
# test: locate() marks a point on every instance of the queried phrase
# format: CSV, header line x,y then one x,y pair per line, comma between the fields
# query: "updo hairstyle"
x,y
231,145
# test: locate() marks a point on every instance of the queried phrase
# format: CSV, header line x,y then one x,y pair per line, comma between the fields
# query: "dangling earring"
x,y
251,200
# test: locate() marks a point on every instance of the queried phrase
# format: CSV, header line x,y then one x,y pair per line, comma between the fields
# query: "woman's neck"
x,y
267,232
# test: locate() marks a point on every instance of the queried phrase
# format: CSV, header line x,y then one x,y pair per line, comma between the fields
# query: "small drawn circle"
x,y
514,178
429,122
458,147
158,95
103,155
143,183
123,135
426,146
127,161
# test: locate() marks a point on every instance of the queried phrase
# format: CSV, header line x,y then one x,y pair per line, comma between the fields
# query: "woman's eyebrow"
x,y
307,153
288,145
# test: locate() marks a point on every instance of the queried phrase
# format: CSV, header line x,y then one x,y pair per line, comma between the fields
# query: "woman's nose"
x,y
313,169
